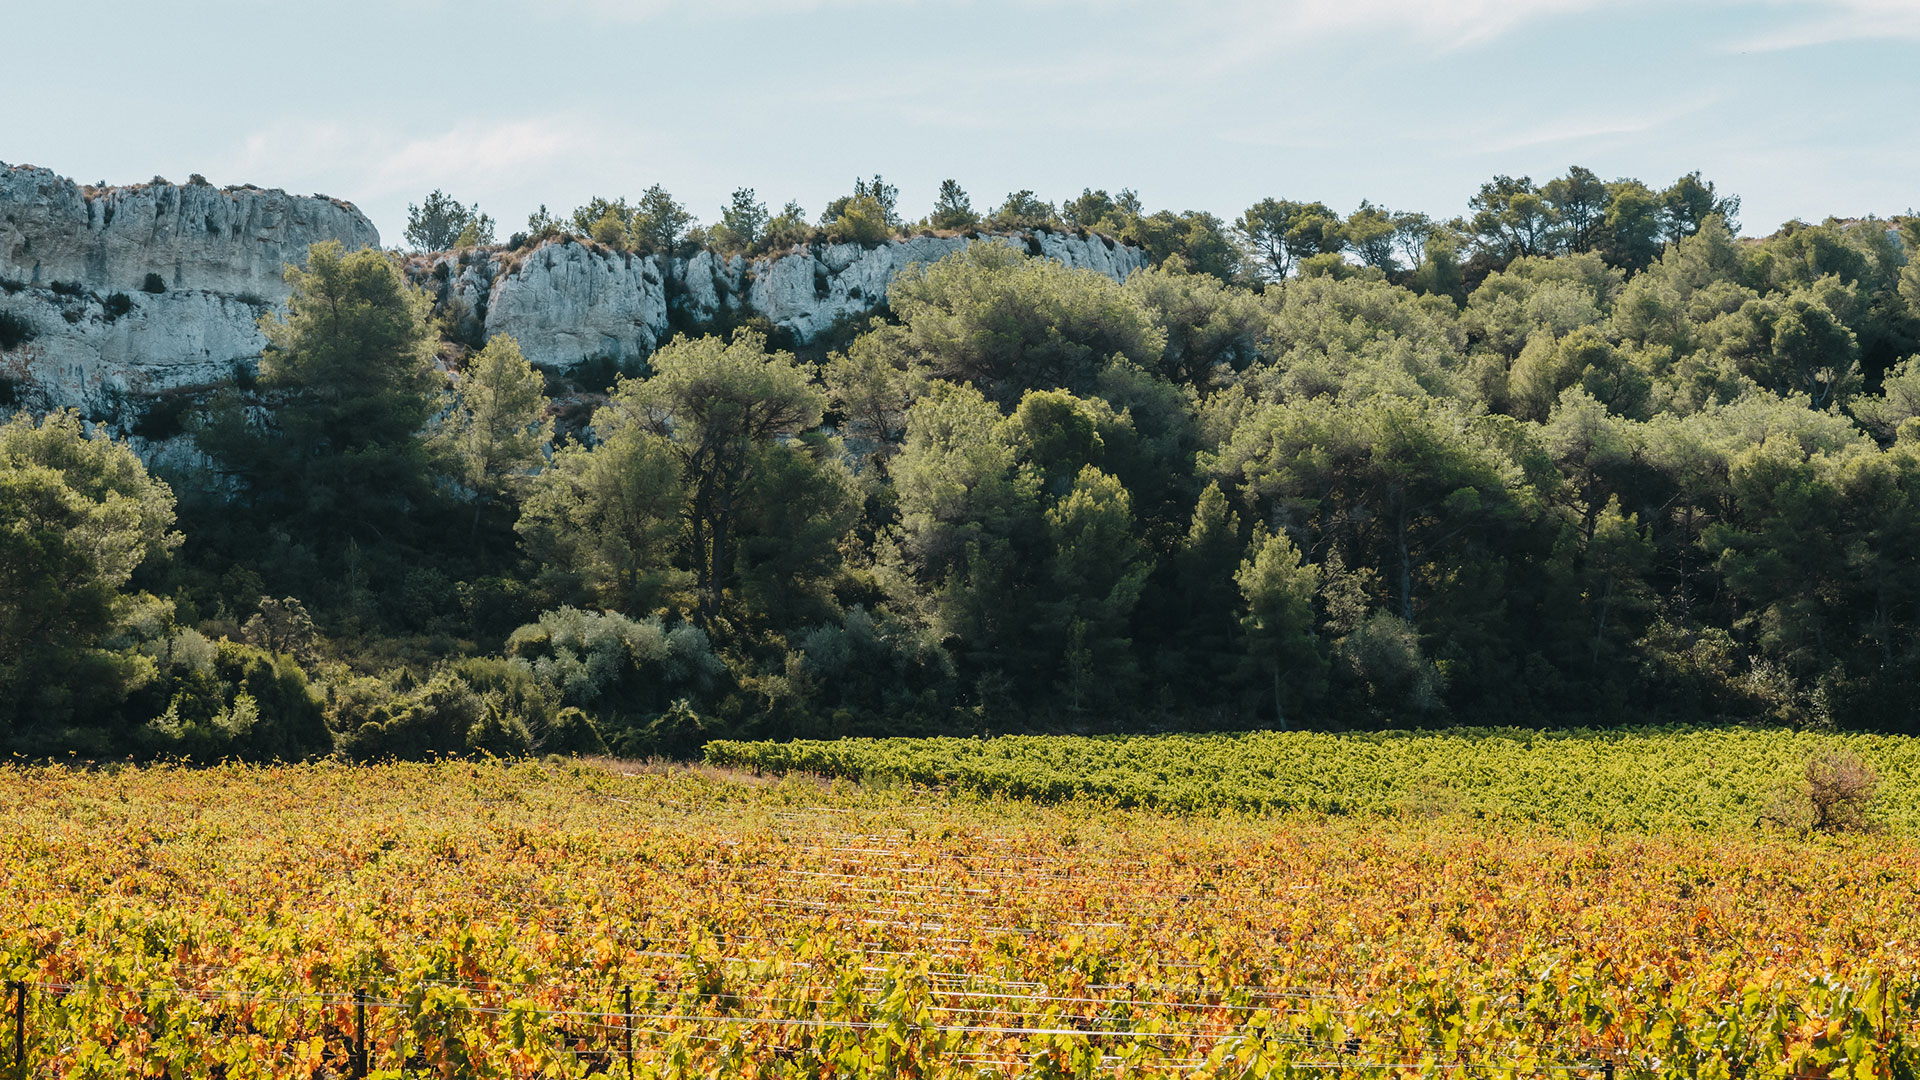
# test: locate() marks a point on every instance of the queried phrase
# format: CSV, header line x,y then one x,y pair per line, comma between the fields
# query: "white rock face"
x,y
567,302
220,253
99,341
196,236
82,355
806,292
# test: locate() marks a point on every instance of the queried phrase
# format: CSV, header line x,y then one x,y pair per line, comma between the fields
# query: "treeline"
x,y
1625,221
1544,487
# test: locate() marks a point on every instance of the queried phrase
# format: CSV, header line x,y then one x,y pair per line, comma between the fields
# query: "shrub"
x,y
612,665
15,330
67,288
572,731
372,722
679,732
1832,794
227,699
863,221
154,283
117,305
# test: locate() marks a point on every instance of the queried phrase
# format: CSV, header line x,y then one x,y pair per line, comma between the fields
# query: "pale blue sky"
x,y
1803,107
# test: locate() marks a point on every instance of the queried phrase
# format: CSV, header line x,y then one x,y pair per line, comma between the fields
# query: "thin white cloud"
x,y
1825,22
376,161
1449,23
1584,128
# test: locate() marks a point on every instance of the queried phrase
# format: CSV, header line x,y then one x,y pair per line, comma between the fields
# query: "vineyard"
x,y
558,919
1650,778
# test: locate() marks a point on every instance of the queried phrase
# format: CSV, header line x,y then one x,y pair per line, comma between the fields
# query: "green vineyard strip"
x,y
1646,778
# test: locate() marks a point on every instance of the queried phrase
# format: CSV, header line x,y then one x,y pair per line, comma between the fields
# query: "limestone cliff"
x,y
112,299
231,240
567,302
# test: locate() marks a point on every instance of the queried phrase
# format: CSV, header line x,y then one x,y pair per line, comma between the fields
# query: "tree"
x,y
1278,233
1098,570
1411,231
970,542
1088,211
1276,593
440,222
885,198
494,435
862,220
350,367
1200,240
597,209
1579,203
991,316
78,515
1629,235
1686,206
658,222
1023,210
744,220
952,209
1511,218
720,407
608,519
786,229
1370,233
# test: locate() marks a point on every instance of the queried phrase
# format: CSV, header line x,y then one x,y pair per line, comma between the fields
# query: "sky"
x,y
1803,108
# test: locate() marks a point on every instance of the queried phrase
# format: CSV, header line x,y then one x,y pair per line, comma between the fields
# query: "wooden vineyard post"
x,y
626,1025
19,1029
360,1034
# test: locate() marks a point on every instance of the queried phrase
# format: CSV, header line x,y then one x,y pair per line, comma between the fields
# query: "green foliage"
x,y
874,202
78,516
214,700
606,519
1582,455
493,436
743,222
1715,779
1279,233
373,720
861,220
991,316
584,218
723,412
1277,592
658,222
440,223
786,229
350,369
622,672
952,209
1023,210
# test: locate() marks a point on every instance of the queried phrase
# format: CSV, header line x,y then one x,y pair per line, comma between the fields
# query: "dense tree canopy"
x,y
1582,454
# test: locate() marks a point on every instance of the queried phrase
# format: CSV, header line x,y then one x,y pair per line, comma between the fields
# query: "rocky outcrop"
x,y
568,302
120,300
233,240
114,298
102,354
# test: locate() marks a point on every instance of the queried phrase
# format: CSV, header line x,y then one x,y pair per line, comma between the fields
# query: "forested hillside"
x,y
1582,455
